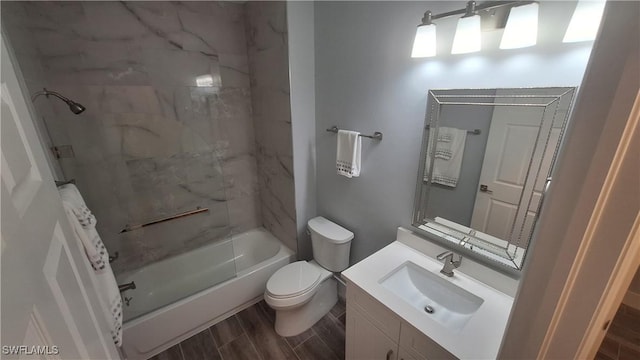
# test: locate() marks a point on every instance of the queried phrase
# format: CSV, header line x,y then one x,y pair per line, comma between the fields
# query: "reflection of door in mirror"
x,y
505,169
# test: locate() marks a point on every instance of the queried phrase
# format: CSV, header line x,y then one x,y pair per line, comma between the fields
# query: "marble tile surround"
x,y
151,142
24,48
269,76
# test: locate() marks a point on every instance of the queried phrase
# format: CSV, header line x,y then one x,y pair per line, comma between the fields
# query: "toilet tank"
x,y
331,244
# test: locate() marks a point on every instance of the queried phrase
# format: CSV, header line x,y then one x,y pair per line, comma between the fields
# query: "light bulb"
x,y
467,38
522,27
424,44
585,21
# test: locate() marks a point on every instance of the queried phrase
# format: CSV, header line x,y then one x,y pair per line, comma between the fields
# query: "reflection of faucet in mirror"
x,y
485,158
449,264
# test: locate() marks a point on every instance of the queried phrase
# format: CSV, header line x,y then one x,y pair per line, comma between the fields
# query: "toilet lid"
x,y
293,279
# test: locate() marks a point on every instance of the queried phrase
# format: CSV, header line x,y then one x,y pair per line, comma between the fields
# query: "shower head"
x,y
75,107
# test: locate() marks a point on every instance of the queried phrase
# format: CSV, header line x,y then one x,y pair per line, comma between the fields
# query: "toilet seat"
x,y
293,279
293,284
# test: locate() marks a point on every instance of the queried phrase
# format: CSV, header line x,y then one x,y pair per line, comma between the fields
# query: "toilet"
x,y
303,292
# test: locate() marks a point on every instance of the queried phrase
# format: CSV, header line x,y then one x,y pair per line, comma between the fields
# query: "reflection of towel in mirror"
x,y
448,157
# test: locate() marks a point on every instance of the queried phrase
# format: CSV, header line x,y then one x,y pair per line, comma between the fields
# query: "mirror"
x,y
486,160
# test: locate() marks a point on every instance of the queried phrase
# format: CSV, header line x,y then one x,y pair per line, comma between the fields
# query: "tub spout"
x,y
127,286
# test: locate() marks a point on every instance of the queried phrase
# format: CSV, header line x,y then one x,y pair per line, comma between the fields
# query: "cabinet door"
x,y
365,341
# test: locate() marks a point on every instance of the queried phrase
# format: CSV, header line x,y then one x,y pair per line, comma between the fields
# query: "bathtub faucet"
x,y
127,286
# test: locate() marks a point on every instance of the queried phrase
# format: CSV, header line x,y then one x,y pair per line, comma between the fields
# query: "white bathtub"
x,y
256,254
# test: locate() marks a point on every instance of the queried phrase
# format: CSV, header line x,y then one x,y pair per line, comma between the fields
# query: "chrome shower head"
x,y
75,107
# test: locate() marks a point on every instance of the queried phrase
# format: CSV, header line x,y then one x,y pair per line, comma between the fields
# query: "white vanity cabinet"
x,y
365,341
375,332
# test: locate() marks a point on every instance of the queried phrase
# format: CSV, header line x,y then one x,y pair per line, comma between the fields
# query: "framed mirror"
x,y
486,162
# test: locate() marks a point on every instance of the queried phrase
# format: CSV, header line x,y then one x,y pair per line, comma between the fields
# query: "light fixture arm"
x,y
472,8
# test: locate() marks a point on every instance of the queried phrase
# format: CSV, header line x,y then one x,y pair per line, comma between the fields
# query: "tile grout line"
x,y
337,318
255,348
339,324
294,350
180,348
241,328
215,343
314,334
325,344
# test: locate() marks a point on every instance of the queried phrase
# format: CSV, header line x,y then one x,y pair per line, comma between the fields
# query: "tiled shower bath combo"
x,y
187,109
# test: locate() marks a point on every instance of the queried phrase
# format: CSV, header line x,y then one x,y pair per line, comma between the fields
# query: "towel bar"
x,y
376,135
198,210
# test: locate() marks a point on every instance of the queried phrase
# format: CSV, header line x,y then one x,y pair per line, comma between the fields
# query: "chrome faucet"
x,y
449,264
127,286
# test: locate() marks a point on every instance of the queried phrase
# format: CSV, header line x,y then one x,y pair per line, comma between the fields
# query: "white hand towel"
x,y
83,225
348,154
448,157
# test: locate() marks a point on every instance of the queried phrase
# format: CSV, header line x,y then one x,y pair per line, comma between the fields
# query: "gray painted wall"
x,y
366,81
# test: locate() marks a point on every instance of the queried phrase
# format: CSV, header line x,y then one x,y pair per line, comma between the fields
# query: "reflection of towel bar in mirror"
x,y
474,131
376,135
198,210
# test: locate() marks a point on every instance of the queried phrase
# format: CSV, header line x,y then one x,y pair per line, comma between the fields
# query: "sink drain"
x,y
429,309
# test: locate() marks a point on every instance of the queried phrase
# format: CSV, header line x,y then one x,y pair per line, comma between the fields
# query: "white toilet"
x,y
303,292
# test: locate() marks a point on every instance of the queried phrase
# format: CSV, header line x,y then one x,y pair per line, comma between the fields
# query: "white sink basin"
x,y
434,296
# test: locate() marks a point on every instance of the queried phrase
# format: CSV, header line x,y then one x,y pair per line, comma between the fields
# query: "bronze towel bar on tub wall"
x,y
198,210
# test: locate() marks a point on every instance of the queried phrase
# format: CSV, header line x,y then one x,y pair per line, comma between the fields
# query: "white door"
x,y
48,299
512,138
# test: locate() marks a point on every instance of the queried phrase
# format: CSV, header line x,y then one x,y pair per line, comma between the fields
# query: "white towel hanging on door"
x,y
83,225
348,153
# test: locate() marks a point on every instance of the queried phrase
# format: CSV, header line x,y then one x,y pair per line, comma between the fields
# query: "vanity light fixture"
x,y
522,27
467,37
584,21
424,45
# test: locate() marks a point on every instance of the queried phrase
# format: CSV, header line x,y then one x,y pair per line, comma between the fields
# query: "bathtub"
x,y
252,256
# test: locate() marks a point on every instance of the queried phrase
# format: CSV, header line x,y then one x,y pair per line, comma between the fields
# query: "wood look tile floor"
x,y
250,335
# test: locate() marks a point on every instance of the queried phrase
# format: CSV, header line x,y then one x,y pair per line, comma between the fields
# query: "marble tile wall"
x,y
269,75
25,50
169,123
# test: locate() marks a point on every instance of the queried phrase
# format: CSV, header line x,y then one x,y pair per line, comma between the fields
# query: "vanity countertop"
x,y
481,336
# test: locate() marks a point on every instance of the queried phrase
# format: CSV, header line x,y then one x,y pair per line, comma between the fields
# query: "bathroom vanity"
x,y
399,306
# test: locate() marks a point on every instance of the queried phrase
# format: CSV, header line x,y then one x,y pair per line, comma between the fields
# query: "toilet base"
x,y
294,321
